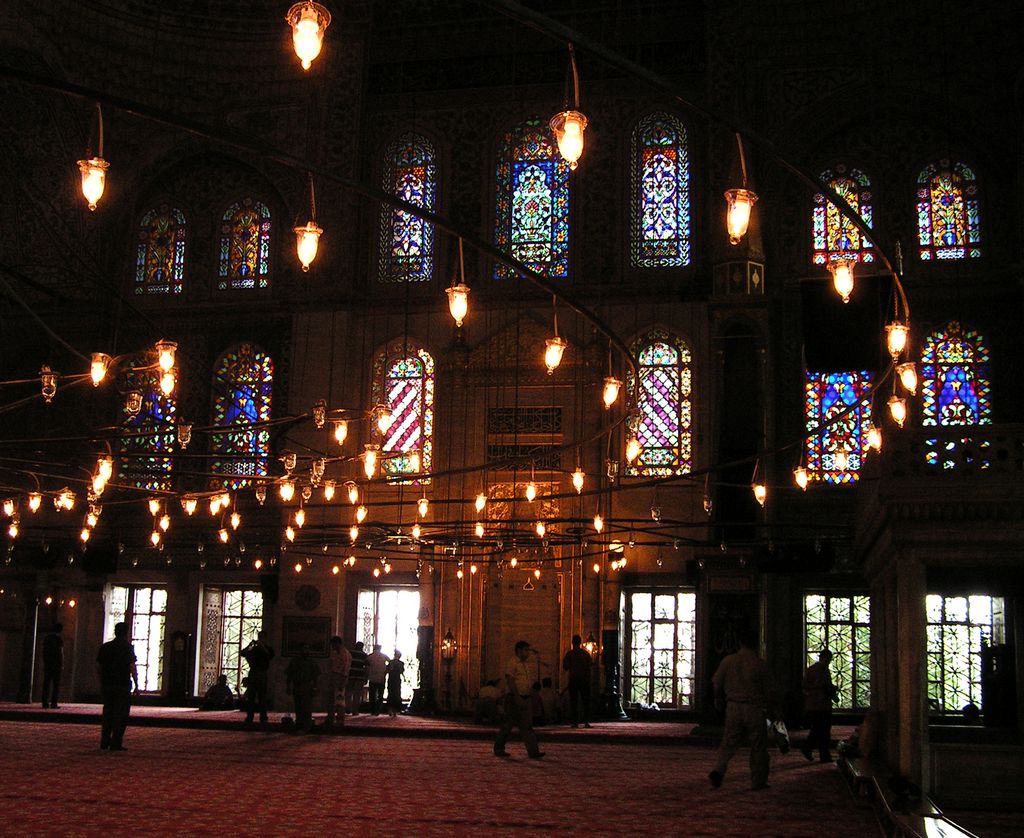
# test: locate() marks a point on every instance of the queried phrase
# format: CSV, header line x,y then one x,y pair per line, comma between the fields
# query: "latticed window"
x,y
661,193
954,378
958,627
242,389
403,380
661,635
948,224
838,415
245,246
532,217
390,617
144,610
148,436
662,398
160,263
832,232
842,624
407,242
241,621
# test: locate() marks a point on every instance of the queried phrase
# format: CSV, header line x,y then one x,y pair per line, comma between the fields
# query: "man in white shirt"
x,y
376,670
520,675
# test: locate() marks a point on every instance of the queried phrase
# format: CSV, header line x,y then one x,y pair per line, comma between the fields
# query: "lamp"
x,y
632,449
353,491
896,338
308,21
480,502
800,477
133,403
568,125
307,237
370,460
48,383
94,169
98,367
184,434
760,492
578,478
739,202
840,265
340,431
555,346
612,386
908,376
875,438
449,647
898,409
458,293
590,644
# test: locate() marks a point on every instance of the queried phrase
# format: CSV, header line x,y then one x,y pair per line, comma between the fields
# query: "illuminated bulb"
x,y
214,506
416,531
225,500
287,490
841,268
167,383
289,532
8,507
632,449
553,349
154,538
459,574
841,460
422,505
35,500
154,506
307,239
531,491
908,376
298,567
481,502
370,461
513,562
536,573
360,514
760,493
165,522
353,492
84,534
98,485
308,21
353,533
610,394
329,488
222,534
598,523
189,504
335,570
66,499
578,478
875,438
384,419
72,603
387,567
48,600
597,567
479,530
568,128
896,338
236,520
105,468
351,561
739,202
458,302
258,564
98,367
300,517
94,178
541,529
898,409
800,476
13,530
165,350
376,573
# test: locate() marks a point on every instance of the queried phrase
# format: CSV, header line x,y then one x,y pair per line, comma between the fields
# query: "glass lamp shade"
x,y
165,354
632,449
739,203
598,523
553,349
105,468
481,502
908,376
541,529
287,490
361,513
353,492
898,409
48,383
479,529
167,382
133,402
340,431
422,506
189,503
800,476
308,21
760,493
370,460
98,367
384,418
35,500
307,240
896,338
353,533
875,438
610,394
578,478
184,434
458,302
94,178
448,646
841,268
568,128
300,517
417,531
329,489
531,491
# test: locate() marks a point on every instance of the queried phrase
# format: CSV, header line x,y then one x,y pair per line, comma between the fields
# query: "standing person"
x,y
258,654
742,686
395,669
53,664
376,671
519,677
339,662
356,680
300,680
577,663
118,676
819,692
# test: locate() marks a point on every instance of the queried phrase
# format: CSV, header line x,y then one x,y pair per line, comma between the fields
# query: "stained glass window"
x,y
957,628
147,438
407,242
245,246
160,263
948,226
532,219
663,401
954,378
832,232
838,415
842,624
403,380
242,388
662,649
661,193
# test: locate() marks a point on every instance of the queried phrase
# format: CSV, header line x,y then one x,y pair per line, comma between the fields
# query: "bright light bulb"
x,y
908,376
479,530
353,533
875,438
597,567
760,493
553,349
165,522
94,177
800,476
416,531
84,534
13,530
189,504
154,506
340,431
300,517
214,506
105,468
598,523
513,562
739,202
481,502
8,507
360,514
287,490
632,449
541,529
289,532
531,491
370,461
98,367
458,302
167,382
578,479
329,488
610,394
297,567
165,351
307,240
898,409
35,500
335,570
384,419
841,268
422,505
351,561
308,21
353,492
223,535
154,538
568,128
896,338
536,573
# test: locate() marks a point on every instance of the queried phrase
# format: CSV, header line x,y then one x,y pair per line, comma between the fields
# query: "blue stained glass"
x,y
663,400
661,193
407,242
147,439
245,246
838,414
955,386
242,390
947,212
831,232
532,212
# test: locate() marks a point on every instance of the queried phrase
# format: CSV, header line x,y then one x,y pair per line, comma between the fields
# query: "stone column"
x,y
911,724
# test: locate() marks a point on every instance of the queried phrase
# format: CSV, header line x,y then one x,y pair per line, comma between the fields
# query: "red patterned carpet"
x,y
175,781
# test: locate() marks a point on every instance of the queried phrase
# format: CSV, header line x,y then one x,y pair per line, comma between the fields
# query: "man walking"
x,y
742,687
577,663
118,675
376,671
53,665
258,655
819,692
519,679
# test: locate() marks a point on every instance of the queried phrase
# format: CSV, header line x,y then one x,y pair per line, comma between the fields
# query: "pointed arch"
x,y
838,415
245,246
532,212
403,380
406,241
955,386
160,259
948,219
661,193
242,393
831,232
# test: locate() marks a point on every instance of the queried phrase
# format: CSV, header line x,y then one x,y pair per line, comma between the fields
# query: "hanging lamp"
x,y
840,265
308,21
568,125
458,293
555,346
307,237
94,169
739,202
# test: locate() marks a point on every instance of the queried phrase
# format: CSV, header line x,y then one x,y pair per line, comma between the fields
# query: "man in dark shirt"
x,y
356,679
301,678
53,665
258,655
118,675
577,663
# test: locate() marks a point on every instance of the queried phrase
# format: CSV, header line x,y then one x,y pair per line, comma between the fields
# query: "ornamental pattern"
x,y
147,438
948,223
404,382
838,414
242,390
245,246
832,232
160,261
661,193
955,386
407,241
663,401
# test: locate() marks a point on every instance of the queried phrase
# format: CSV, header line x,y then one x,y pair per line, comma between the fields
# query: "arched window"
x,y
147,437
407,242
838,415
243,381
160,264
661,193
532,223
948,226
245,246
955,384
663,399
403,380
832,232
